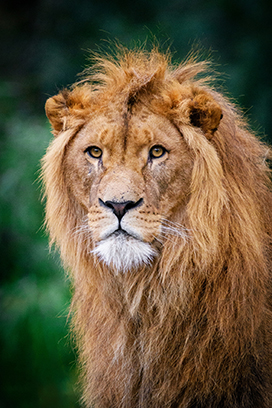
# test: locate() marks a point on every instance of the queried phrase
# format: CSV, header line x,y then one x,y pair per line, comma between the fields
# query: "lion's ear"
x,y
57,111
205,113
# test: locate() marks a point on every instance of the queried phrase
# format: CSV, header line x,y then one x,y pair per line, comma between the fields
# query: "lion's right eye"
x,y
157,151
94,152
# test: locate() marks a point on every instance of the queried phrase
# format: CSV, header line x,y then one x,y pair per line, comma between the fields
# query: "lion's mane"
x,y
194,328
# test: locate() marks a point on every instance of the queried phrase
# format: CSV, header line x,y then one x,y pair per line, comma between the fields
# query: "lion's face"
x,y
130,173
130,153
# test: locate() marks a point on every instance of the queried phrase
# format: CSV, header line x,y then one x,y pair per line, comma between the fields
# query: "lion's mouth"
x,y
122,251
120,232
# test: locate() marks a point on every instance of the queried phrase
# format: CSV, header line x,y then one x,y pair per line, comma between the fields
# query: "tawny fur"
x,y
191,327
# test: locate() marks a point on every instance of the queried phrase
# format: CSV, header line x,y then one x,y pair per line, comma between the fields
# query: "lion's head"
x,y
158,197
128,162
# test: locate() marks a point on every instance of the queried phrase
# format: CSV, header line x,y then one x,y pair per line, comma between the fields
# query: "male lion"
x,y
159,199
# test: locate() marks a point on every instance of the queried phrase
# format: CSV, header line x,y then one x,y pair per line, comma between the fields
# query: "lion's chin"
x,y
122,252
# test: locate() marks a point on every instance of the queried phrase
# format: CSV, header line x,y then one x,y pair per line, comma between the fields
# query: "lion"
x,y
158,196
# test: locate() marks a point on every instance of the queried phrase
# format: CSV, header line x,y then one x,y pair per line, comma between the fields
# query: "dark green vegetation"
x,y
44,44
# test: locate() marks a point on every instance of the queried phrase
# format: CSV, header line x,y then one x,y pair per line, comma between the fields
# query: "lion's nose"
x,y
120,208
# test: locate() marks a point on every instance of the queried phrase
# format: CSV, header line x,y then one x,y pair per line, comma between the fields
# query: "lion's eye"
x,y
157,151
94,152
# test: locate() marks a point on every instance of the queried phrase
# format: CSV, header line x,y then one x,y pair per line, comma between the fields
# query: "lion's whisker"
x,y
169,223
175,231
77,231
157,239
167,238
82,231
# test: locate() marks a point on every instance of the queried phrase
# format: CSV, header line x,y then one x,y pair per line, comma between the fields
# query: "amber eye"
x,y
94,152
157,151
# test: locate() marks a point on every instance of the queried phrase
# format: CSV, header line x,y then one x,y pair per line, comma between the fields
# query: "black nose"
x,y
120,208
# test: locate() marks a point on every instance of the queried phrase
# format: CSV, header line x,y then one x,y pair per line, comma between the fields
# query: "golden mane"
x,y
193,329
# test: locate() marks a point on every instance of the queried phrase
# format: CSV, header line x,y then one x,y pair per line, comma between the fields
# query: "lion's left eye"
x,y
94,152
157,151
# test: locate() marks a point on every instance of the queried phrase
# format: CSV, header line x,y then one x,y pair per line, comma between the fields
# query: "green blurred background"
x,y
43,45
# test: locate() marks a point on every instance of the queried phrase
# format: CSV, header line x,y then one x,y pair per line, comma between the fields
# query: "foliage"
x,y
36,352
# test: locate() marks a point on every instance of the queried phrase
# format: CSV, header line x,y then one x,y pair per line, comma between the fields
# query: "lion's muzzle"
x,y
122,243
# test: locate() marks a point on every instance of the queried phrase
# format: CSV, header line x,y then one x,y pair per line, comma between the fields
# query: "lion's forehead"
x,y
129,133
